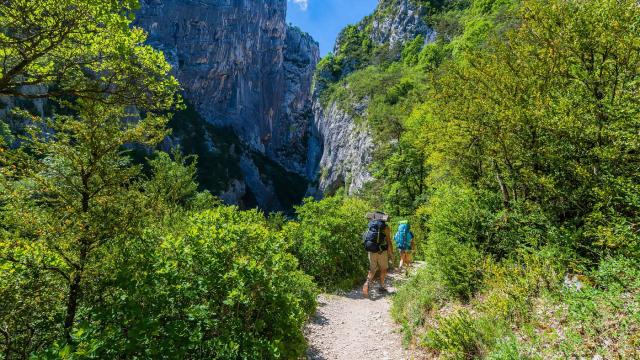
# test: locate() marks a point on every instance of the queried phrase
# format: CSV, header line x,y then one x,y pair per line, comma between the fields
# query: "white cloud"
x,y
304,4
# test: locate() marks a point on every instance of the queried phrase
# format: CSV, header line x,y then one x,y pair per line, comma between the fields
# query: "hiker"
x,y
404,242
377,242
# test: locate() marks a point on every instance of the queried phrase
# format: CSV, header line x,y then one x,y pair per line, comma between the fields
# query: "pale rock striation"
x,y
241,66
347,147
402,22
347,150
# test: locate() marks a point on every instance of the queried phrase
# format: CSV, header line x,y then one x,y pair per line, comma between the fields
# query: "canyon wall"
x,y
241,66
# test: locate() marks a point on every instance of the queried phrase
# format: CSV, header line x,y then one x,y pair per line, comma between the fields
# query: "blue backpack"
x,y
403,236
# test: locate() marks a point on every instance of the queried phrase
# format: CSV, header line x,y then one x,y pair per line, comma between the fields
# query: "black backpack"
x,y
375,238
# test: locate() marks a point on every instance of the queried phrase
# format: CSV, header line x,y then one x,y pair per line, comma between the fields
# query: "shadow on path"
x,y
350,326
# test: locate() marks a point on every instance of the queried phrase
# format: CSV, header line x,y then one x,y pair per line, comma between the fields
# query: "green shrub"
x,y
459,266
417,297
327,240
456,212
457,336
511,286
601,318
506,349
619,273
455,224
226,289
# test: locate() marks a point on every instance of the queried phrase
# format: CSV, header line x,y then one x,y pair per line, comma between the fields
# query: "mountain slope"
x,y
243,68
376,40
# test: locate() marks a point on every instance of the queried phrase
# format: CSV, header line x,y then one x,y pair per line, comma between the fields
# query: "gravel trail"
x,y
351,327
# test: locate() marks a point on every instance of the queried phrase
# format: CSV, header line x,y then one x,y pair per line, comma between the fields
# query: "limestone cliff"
x,y
242,67
347,147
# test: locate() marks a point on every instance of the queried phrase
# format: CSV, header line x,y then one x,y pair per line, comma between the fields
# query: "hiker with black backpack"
x,y
377,242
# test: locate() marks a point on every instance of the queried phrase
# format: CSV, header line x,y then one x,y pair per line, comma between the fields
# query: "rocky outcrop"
x,y
347,150
295,143
347,147
242,67
398,21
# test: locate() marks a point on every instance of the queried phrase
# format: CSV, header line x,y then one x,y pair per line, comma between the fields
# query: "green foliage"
x,y
81,49
327,240
457,336
411,51
417,298
551,129
602,318
481,327
454,226
173,185
511,286
225,287
511,141
69,192
6,138
458,265
100,256
432,55
221,285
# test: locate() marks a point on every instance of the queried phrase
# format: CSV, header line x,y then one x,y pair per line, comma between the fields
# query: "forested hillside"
x,y
506,131
103,257
509,135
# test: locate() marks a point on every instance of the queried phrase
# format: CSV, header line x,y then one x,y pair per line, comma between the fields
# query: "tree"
x,y
545,114
69,192
83,49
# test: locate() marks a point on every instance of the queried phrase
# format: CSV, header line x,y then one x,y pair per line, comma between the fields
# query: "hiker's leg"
x,y
384,259
383,275
365,287
373,267
406,257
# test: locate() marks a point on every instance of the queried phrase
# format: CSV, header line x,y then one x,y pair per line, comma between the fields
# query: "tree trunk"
x,y
506,198
72,305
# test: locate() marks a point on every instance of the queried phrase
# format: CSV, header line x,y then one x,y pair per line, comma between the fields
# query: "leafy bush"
x,y
482,326
455,224
511,286
459,266
456,212
327,240
456,335
602,318
416,299
621,273
225,289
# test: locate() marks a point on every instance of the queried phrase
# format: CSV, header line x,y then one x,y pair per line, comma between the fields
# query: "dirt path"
x,y
351,327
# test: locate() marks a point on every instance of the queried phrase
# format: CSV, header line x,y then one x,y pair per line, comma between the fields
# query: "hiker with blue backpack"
x,y
404,242
377,242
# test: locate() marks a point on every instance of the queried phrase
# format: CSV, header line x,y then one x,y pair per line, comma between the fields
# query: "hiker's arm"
x,y
387,231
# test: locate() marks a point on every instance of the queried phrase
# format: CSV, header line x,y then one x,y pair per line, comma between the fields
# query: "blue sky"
x,y
324,19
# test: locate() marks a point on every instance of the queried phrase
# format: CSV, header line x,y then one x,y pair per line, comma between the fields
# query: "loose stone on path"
x,y
351,327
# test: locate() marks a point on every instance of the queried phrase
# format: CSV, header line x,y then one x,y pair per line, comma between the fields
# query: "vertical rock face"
x,y
242,67
347,147
295,144
347,150
403,20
